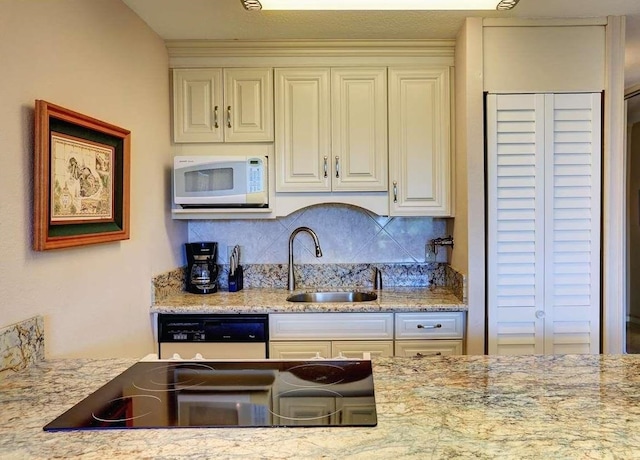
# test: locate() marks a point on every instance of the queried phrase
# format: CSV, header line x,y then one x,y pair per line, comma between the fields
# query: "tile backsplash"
x,y
347,234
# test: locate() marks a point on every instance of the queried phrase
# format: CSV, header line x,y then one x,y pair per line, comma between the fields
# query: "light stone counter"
x,y
463,407
265,300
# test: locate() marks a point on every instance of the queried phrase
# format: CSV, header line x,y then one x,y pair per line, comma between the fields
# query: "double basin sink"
x,y
333,297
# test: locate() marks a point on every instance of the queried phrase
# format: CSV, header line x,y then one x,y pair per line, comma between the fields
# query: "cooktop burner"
x,y
269,393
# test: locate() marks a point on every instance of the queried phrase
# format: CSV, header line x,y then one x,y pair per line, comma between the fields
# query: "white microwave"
x,y
216,181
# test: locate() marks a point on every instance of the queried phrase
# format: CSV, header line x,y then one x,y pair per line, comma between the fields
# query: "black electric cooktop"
x,y
269,393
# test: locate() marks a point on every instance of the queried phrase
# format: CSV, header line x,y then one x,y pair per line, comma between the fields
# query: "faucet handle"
x,y
377,278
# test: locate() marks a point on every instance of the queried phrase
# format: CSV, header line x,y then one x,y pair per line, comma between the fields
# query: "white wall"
x,y
98,58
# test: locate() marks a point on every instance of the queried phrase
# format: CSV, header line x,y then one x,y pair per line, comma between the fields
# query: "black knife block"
x,y
236,281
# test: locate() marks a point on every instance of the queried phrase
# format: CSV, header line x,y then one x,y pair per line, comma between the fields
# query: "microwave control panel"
x,y
255,175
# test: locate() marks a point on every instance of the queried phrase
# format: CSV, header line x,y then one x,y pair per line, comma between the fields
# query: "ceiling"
x,y
227,19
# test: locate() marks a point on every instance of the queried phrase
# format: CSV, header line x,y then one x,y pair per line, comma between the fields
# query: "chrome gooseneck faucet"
x,y
291,284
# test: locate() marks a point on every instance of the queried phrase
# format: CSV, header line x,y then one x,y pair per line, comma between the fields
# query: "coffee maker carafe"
x,y
202,268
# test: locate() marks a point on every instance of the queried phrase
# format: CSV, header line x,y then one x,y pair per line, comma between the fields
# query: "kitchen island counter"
x,y
265,300
526,407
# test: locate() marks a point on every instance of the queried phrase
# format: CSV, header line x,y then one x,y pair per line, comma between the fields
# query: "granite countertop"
x,y
515,407
265,300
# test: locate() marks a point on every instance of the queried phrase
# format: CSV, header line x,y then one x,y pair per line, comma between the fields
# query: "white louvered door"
x,y
543,205
515,166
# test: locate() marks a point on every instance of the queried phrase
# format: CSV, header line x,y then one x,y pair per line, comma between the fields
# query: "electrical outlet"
x,y
430,253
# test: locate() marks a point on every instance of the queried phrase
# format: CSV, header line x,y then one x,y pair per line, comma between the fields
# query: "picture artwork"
x,y
81,180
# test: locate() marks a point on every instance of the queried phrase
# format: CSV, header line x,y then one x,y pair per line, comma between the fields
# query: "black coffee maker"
x,y
202,268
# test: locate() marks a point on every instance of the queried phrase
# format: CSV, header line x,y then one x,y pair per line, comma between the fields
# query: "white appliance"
x,y
221,181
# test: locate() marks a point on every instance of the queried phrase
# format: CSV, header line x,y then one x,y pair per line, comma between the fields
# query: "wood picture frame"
x,y
81,175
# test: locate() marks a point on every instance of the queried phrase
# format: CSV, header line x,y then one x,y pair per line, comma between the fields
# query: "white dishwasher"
x,y
213,336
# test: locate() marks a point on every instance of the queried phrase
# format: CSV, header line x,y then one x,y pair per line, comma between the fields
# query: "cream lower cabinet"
x,y
331,129
432,333
420,180
409,348
355,349
330,335
351,335
299,350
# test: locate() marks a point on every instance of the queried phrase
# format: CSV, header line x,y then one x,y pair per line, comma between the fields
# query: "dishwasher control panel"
x,y
212,328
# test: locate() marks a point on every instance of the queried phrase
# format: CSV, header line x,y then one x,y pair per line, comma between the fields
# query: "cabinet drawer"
x,y
428,347
436,325
331,326
356,349
299,350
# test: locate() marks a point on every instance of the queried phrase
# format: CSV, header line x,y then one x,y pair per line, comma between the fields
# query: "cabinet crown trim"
x,y
306,48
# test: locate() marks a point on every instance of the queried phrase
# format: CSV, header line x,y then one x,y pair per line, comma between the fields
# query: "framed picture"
x,y
81,179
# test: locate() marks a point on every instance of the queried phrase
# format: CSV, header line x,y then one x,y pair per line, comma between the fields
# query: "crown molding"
x,y
308,48
543,22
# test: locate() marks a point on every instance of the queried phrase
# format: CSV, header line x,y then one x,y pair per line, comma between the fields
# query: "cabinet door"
x,y
543,207
410,348
356,349
303,130
515,206
299,350
419,141
359,129
197,105
248,107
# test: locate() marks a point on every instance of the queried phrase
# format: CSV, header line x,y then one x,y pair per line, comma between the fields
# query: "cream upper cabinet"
x,y
223,105
303,130
359,129
331,129
419,141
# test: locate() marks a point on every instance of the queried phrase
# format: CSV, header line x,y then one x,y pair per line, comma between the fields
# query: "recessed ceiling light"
x,y
379,4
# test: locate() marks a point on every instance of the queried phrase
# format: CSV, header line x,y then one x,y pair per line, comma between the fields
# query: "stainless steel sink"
x,y
337,297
